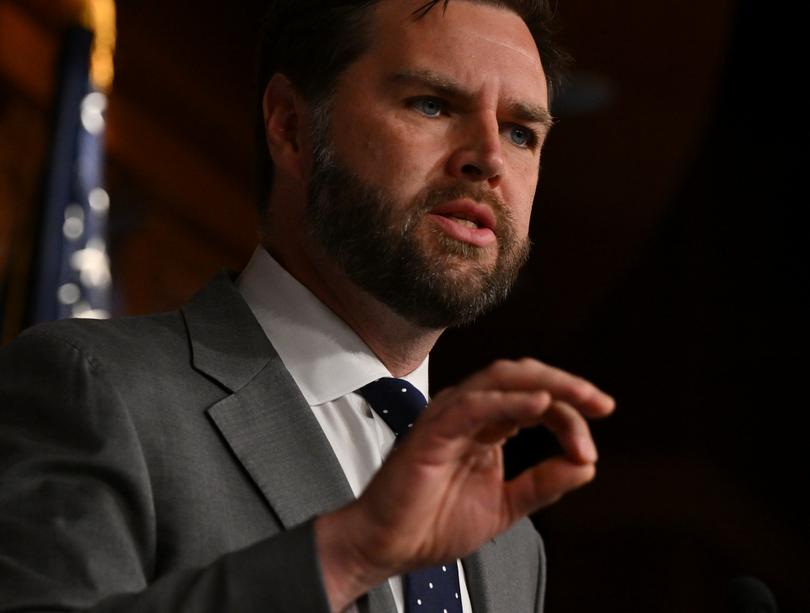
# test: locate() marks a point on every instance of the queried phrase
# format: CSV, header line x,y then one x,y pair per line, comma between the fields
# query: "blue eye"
x,y
430,107
520,136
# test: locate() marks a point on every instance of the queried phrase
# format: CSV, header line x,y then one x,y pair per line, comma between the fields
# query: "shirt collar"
x,y
324,356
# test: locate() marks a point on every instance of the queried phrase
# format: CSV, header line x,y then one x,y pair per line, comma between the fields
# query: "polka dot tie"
x,y
427,590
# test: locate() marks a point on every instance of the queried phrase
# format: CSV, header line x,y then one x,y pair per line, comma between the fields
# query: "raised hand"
x,y
442,494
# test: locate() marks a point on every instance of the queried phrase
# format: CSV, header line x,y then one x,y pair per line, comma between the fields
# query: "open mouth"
x,y
467,213
467,221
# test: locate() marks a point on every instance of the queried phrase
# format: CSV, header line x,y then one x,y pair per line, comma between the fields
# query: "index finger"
x,y
529,374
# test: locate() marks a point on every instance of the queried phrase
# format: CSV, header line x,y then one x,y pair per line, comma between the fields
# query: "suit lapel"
x,y
477,578
273,432
508,572
266,420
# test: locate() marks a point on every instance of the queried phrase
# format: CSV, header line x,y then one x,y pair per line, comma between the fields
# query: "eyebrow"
x,y
522,111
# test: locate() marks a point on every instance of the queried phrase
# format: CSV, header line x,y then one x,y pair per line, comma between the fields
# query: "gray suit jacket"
x,y
169,463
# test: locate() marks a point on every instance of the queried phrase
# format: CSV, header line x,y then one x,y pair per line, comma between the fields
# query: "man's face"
x,y
425,167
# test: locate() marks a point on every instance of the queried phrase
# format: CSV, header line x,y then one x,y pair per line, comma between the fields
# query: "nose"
x,y
479,155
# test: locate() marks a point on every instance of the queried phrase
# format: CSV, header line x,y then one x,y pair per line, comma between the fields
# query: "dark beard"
x,y
374,240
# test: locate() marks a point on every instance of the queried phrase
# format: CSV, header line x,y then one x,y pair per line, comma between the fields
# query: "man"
x,y
184,462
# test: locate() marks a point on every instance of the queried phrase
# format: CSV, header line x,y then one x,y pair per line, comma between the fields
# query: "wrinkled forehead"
x,y
478,42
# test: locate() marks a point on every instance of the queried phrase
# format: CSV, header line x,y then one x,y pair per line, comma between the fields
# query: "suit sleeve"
x,y
77,523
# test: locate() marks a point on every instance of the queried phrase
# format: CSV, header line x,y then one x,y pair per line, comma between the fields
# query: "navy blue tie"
x,y
427,590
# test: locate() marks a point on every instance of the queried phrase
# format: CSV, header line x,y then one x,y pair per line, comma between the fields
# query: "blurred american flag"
x,y
71,273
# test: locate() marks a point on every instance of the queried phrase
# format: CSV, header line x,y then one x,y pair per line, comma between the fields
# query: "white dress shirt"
x,y
328,362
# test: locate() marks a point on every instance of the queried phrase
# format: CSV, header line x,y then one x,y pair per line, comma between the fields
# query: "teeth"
x,y
466,222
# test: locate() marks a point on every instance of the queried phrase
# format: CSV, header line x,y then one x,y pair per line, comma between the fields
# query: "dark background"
x,y
669,262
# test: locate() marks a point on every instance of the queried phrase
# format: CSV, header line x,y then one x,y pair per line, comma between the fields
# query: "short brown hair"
x,y
312,42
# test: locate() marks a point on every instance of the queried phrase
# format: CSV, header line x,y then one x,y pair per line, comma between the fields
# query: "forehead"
x,y
477,43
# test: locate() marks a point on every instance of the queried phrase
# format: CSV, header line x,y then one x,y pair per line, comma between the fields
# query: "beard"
x,y
374,238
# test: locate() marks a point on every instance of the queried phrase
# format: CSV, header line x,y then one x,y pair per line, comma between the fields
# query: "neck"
x,y
399,344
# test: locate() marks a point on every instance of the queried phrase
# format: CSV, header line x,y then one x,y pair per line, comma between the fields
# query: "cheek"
x,y
522,216
521,193
386,149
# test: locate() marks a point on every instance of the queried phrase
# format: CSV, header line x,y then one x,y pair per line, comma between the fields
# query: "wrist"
x,y
347,571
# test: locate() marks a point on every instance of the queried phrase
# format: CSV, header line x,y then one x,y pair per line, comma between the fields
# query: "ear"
x,y
283,110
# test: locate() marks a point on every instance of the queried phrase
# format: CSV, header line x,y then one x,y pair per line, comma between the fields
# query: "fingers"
x,y
489,418
485,416
544,484
572,432
493,404
529,374
493,417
